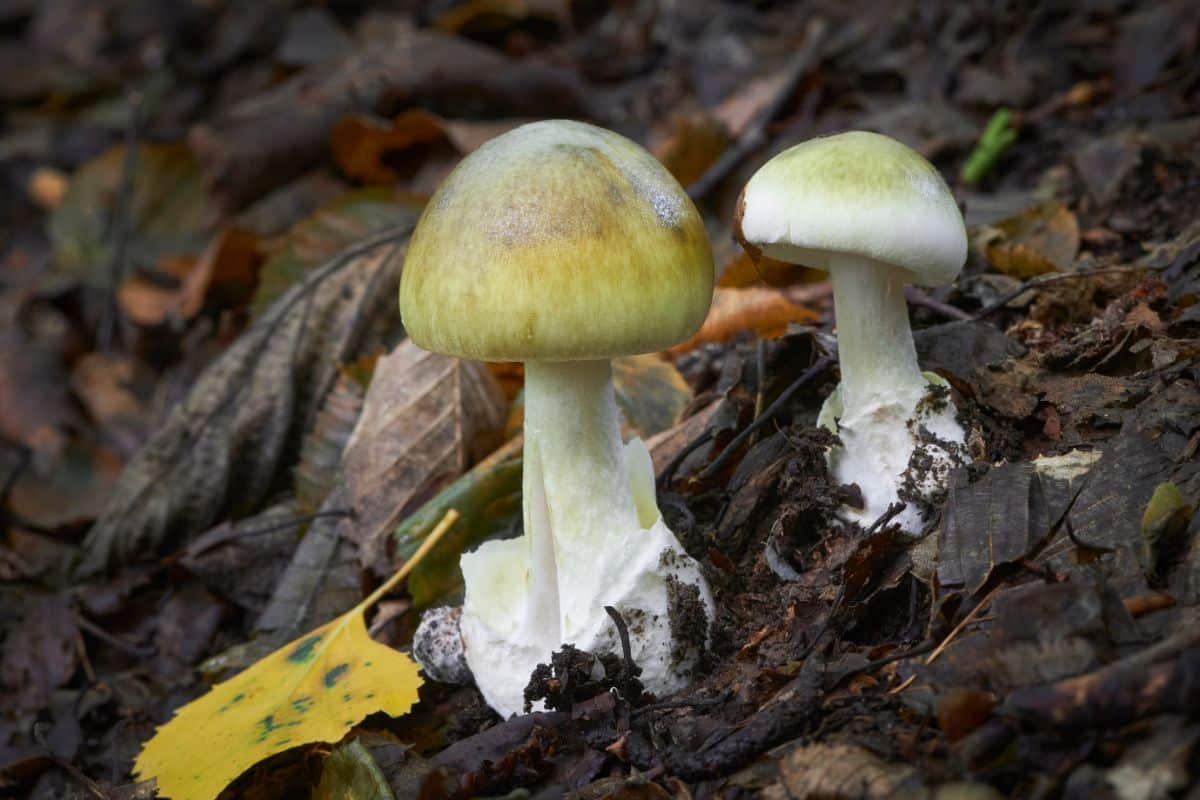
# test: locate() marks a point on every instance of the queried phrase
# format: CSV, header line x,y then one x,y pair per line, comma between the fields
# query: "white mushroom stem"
x,y
593,538
575,482
875,346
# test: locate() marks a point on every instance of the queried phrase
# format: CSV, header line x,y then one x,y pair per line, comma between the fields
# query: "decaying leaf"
x,y
767,312
651,394
243,560
840,770
321,581
313,689
694,142
425,419
229,263
170,214
1041,239
997,519
742,272
313,241
225,446
278,134
320,461
378,151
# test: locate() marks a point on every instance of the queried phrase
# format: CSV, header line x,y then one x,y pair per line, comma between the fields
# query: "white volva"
x,y
876,216
587,545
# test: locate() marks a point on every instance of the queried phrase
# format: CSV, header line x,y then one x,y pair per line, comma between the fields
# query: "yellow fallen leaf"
x,y
313,689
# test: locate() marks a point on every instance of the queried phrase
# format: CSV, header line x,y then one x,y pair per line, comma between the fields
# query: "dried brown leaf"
x,y
426,418
230,441
766,312
1041,239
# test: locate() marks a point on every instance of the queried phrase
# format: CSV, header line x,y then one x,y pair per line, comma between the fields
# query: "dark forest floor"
x,y
184,355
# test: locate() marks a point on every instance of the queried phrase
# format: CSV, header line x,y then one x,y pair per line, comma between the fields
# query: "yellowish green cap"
x,y
556,241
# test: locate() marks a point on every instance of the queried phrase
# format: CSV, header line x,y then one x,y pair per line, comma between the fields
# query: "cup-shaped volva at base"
x,y
643,573
902,449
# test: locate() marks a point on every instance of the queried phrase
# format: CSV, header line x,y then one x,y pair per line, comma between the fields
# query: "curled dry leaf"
x,y
651,394
225,447
275,136
1041,239
694,142
321,580
742,271
379,151
426,418
766,312
229,266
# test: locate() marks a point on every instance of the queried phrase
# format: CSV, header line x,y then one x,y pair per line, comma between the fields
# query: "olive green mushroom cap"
x,y
858,193
556,241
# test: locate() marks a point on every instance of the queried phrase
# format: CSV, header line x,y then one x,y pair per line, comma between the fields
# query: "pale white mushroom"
x,y
876,216
564,245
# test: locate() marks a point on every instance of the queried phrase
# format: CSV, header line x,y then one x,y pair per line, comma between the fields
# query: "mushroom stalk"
x,y
875,346
575,476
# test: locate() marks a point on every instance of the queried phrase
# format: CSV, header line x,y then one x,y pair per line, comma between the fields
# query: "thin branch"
x,y
812,372
921,299
122,223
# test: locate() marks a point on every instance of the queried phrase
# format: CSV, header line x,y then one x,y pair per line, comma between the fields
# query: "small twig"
x,y
812,372
668,473
974,612
1082,545
84,660
234,533
39,736
120,645
623,633
122,223
760,365
917,297
755,134
883,661
887,516
1054,277
699,702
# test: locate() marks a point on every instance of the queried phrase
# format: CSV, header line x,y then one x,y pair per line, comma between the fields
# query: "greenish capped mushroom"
x,y
876,216
563,245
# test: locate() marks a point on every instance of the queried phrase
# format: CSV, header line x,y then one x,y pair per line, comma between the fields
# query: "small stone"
x,y
438,646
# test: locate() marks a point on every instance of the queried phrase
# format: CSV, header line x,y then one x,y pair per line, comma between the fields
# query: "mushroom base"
x,y
593,538
901,449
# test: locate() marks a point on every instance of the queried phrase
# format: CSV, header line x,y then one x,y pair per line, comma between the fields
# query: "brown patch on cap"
x,y
754,252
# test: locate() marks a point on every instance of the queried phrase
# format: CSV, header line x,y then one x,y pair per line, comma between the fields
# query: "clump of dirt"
x,y
810,499
688,620
575,675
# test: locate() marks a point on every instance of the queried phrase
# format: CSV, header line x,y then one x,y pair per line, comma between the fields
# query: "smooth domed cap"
x,y
859,193
556,241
